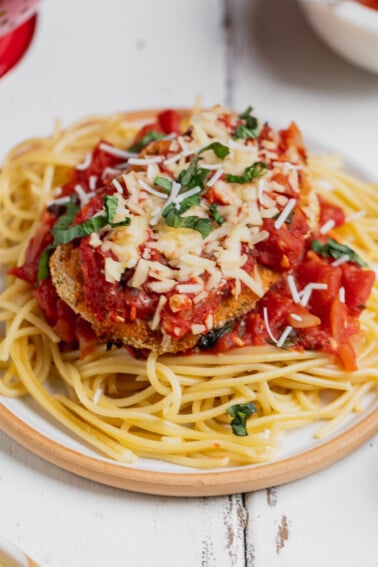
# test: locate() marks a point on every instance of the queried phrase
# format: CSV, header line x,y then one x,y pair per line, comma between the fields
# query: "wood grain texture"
x,y
142,55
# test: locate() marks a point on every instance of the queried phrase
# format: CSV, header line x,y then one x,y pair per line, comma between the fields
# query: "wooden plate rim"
x,y
242,479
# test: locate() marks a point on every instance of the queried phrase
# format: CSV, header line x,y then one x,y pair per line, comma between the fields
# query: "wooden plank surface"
x,y
99,57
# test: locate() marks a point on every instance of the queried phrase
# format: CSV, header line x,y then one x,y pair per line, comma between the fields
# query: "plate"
x,y
24,422
300,456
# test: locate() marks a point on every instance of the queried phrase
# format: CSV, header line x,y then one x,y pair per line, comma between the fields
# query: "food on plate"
x,y
195,283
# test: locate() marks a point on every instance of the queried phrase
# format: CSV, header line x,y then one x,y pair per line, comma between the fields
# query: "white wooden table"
x,y
91,57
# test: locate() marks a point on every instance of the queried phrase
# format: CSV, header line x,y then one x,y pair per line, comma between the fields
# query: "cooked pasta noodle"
x,y
171,407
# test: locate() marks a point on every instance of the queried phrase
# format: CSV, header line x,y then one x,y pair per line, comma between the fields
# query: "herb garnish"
x,y
173,218
195,176
164,183
190,178
257,169
63,232
333,249
216,215
210,339
220,150
240,413
43,264
251,127
149,137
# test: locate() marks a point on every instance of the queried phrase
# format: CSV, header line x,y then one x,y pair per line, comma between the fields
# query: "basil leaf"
x,y
240,413
173,218
244,133
333,249
194,176
66,220
186,175
210,339
247,112
257,169
110,206
149,137
80,230
43,264
189,202
203,226
164,183
216,215
251,127
220,150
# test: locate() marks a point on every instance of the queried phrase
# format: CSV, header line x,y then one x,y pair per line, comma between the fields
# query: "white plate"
x,y
300,455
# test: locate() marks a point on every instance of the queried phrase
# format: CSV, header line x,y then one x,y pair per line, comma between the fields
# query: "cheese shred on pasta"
x,y
171,407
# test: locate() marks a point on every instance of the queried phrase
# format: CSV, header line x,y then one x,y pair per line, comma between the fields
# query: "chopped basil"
x,y
110,205
65,233
251,127
240,413
244,133
216,215
257,169
65,220
149,137
210,339
189,202
194,176
220,150
333,249
173,218
43,264
164,183
80,230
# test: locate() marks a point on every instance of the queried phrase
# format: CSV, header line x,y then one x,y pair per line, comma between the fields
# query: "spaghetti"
x,y
176,407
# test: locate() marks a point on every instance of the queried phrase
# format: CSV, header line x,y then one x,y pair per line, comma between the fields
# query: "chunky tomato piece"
x,y
318,271
328,212
255,331
357,284
170,121
284,248
278,307
291,137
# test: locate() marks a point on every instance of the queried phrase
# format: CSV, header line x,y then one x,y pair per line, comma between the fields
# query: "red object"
x,y
328,212
14,45
369,3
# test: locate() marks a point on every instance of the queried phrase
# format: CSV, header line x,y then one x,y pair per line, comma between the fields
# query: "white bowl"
x,y
348,27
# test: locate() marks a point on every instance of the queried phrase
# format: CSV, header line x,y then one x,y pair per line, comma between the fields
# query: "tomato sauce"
x,y
328,322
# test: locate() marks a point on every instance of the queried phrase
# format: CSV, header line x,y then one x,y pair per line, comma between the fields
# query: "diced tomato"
x,y
328,212
170,121
318,271
358,284
284,247
279,307
256,332
291,137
